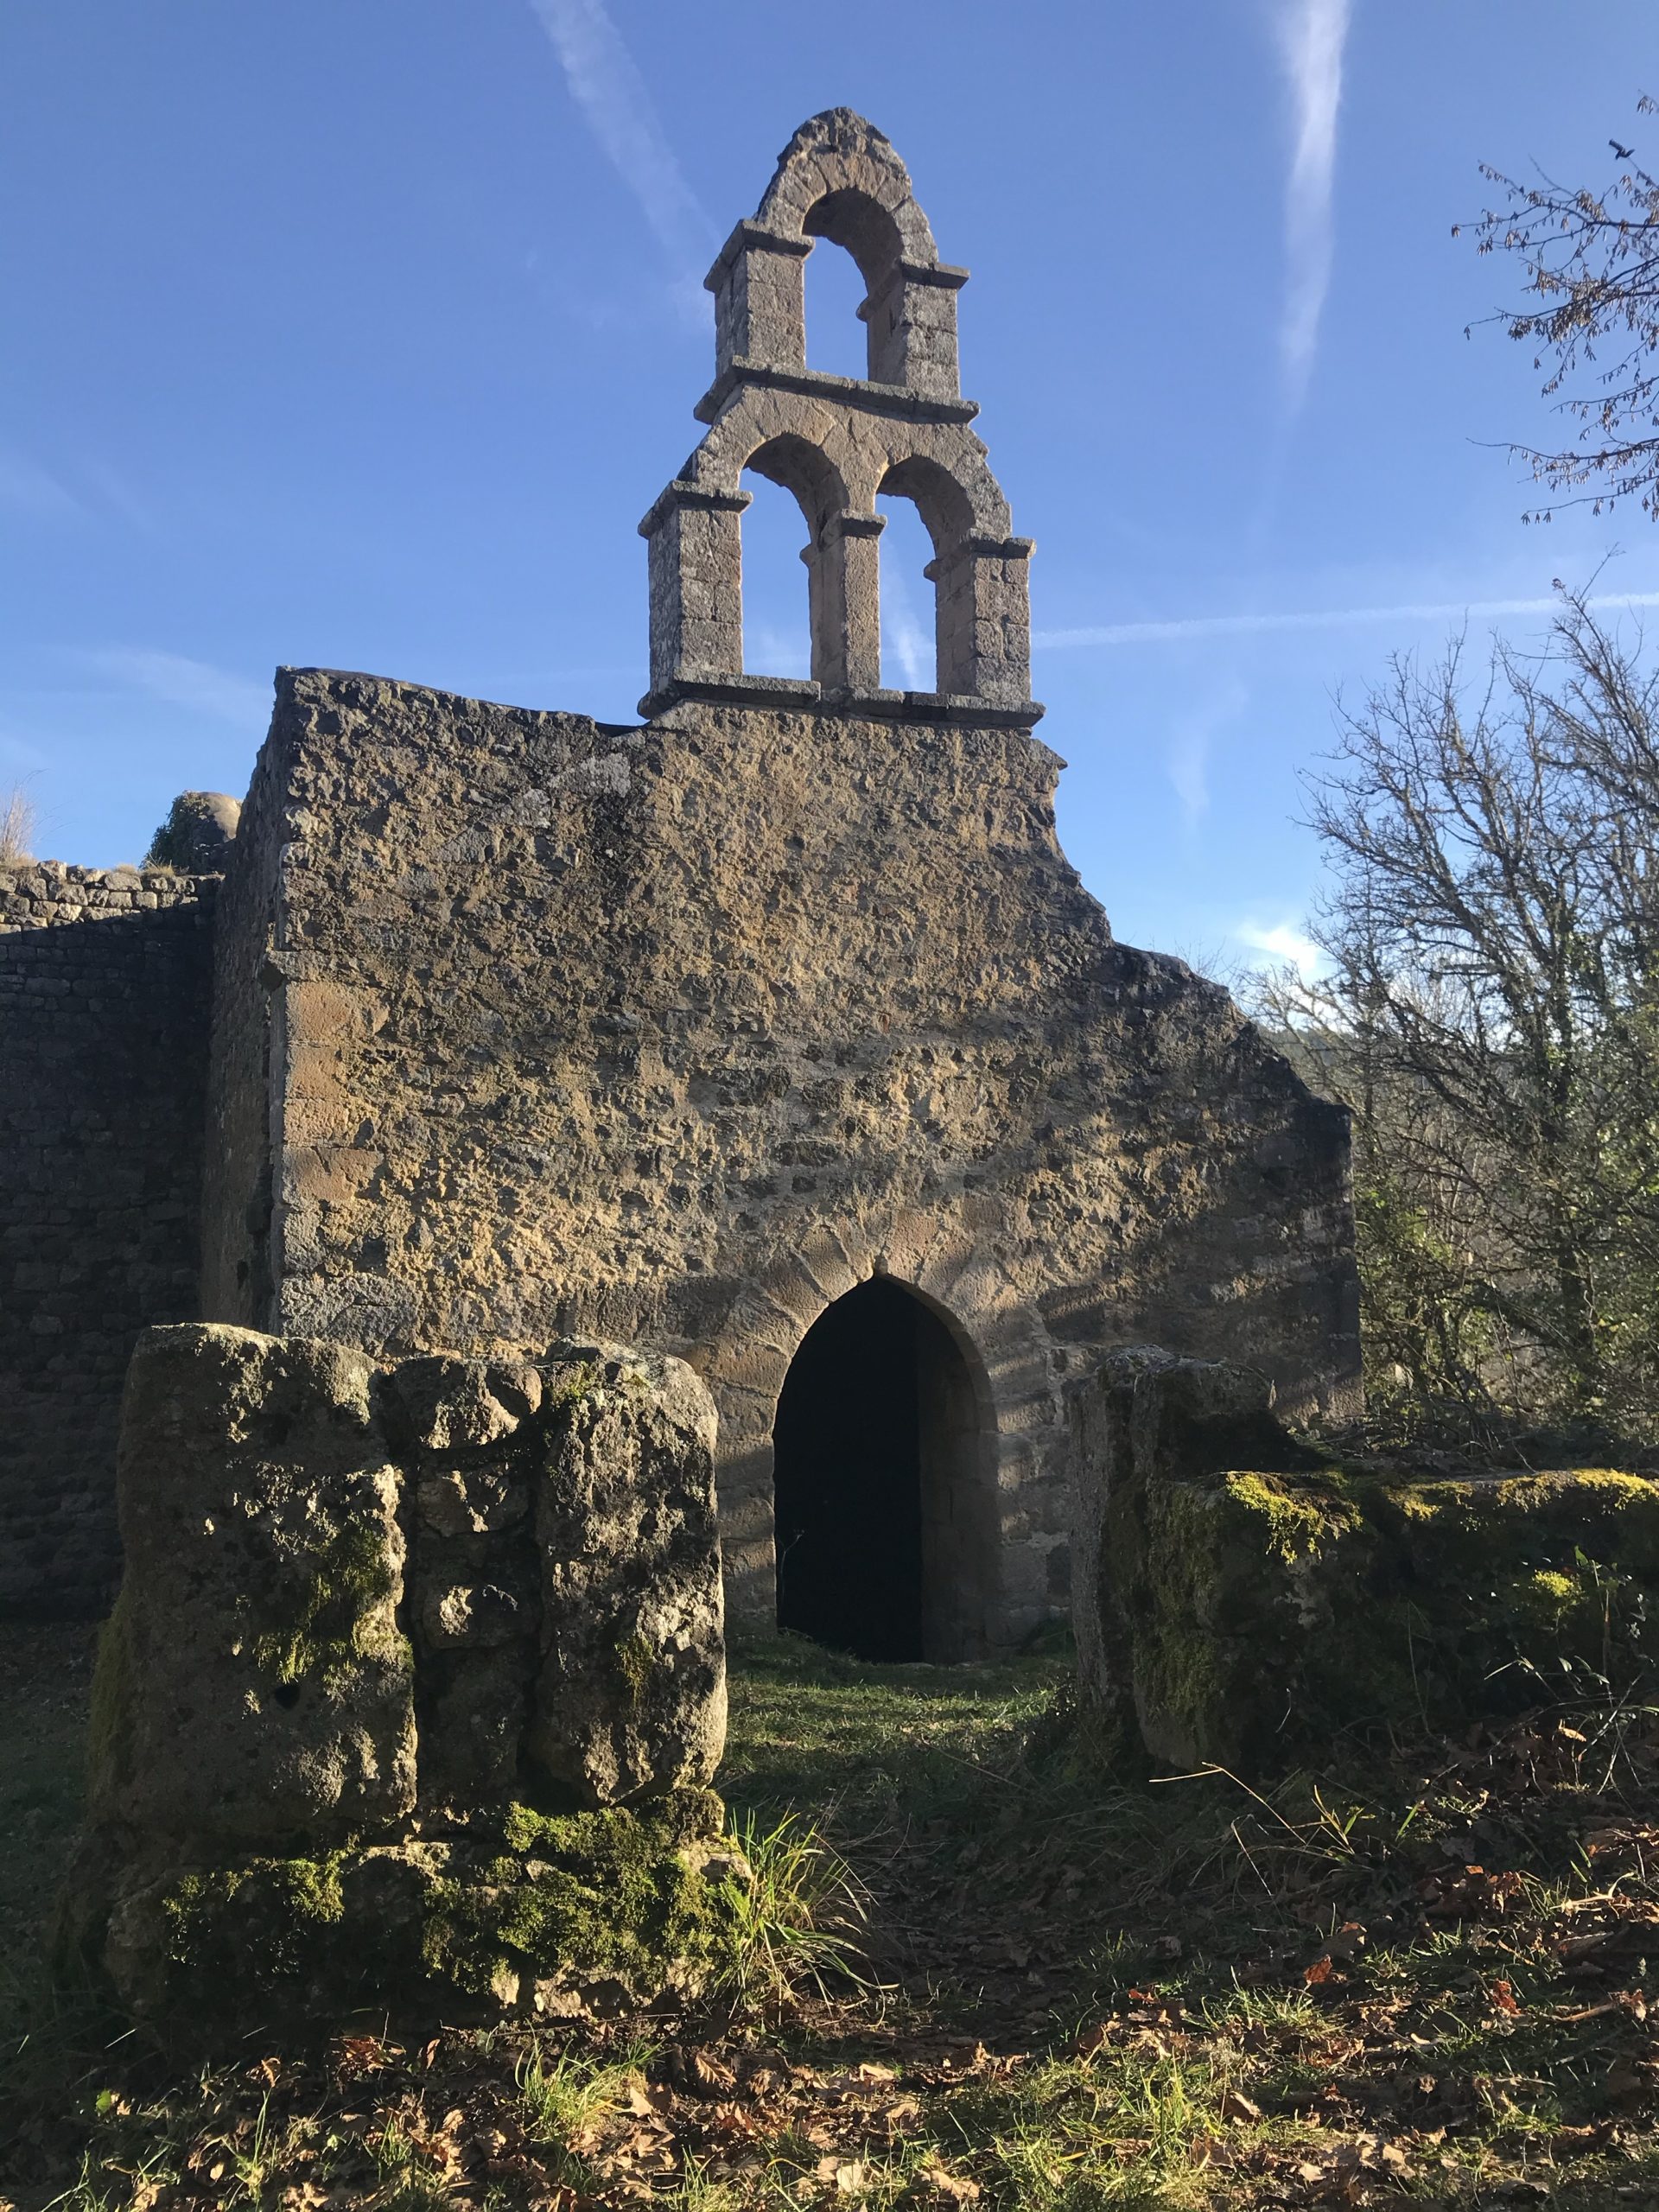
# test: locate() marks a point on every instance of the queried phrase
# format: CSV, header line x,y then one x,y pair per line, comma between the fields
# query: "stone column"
x,y
760,288
696,583
984,618
911,314
844,592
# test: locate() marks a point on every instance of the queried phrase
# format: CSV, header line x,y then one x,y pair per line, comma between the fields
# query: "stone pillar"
x,y
911,315
696,583
844,589
760,288
984,618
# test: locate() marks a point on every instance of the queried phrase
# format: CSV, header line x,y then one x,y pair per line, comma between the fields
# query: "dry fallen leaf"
x,y
847,2174
957,2187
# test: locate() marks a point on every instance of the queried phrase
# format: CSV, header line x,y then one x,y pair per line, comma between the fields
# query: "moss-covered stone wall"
x,y
1242,1599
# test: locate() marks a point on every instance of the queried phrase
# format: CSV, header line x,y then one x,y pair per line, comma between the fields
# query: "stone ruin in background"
x,y
773,1033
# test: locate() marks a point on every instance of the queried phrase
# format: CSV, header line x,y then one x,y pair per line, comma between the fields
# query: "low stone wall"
x,y
104,980
415,1683
1242,1599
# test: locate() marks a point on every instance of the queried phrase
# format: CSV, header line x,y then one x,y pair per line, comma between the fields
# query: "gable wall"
x,y
671,1035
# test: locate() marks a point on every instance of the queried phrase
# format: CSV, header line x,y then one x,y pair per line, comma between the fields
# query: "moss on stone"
x,y
589,1898
634,1659
578,1381
1270,1609
1302,1518
331,1624
231,1931
590,1901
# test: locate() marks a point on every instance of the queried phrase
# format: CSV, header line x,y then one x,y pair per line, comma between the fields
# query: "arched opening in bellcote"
x,y
883,1471
782,598
837,340
776,619
909,612
865,245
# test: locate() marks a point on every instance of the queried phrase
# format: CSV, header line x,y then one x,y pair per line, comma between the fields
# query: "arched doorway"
x,y
883,1503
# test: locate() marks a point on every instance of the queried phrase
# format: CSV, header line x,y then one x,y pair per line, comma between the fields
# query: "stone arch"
x,y
981,612
761,419
839,553
885,1456
943,501
840,178
803,468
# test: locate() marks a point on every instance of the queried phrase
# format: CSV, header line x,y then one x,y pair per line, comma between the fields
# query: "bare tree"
x,y
18,823
1591,262
1491,1015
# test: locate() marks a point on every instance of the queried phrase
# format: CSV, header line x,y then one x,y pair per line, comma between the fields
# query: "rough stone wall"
x,y
673,1035
236,1198
1242,1599
104,1009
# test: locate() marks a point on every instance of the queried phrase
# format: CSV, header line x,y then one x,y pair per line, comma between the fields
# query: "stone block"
x,y
588,1913
1240,1598
307,1759
631,1699
254,1682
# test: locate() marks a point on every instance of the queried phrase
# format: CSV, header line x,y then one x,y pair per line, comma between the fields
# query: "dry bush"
x,y
19,819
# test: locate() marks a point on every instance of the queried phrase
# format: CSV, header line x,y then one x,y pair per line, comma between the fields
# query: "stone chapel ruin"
x,y
772,1033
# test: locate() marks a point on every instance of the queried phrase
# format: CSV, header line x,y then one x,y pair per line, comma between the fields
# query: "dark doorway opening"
x,y
877,1441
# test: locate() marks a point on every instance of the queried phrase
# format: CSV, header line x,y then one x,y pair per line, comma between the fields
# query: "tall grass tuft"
x,y
799,1919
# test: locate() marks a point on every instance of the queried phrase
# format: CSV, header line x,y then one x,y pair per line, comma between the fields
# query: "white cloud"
x,y
1311,35
1285,942
1188,765
904,641
1192,626
194,685
1187,762
606,85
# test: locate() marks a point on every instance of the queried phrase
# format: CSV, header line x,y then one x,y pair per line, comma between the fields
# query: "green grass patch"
x,y
984,1971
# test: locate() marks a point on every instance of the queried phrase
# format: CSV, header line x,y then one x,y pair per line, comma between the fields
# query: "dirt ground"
x,y
986,1973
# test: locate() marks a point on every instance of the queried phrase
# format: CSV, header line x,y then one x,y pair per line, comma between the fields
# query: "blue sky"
x,y
362,333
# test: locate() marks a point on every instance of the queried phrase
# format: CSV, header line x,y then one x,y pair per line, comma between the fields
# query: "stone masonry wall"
x,y
104,1001
673,1035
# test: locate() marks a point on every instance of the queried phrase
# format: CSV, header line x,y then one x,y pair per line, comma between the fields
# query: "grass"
x,y
982,1974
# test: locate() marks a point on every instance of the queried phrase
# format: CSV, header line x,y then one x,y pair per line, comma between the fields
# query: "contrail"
x,y
1312,35
607,87
196,685
1247,625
